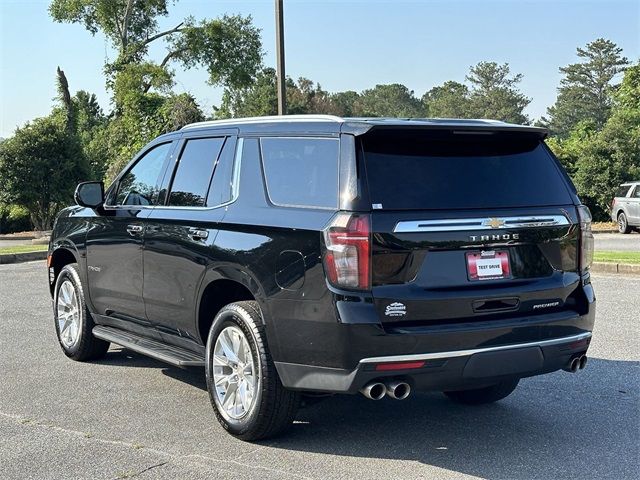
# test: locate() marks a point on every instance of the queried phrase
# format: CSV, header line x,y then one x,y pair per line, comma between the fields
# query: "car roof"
x,y
330,124
629,184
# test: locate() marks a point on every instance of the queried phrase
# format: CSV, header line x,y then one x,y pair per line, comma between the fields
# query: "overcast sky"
x,y
343,45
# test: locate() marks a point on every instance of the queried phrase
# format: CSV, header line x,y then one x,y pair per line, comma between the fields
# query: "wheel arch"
x,y
220,287
59,258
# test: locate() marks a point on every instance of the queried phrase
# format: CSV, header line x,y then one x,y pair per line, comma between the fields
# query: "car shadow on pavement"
x,y
123,357
555,426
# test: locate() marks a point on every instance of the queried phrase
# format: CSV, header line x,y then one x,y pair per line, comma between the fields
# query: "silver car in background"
x,y
625,207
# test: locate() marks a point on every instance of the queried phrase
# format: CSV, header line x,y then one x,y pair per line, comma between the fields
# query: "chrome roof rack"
x,y
273,118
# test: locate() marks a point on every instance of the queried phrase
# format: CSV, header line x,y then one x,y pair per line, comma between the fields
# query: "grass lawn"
x,y
22,249
617,257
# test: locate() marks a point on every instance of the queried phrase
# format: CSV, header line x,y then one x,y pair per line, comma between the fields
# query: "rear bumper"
x,y
341,357
447,370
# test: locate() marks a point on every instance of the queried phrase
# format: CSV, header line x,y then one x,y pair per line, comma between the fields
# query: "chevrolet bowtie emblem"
x,y
494,223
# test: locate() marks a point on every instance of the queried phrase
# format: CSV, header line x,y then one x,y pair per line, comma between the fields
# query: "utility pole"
x,y
282,98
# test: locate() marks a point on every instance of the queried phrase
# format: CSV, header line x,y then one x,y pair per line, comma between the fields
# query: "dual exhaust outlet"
x,y
399,390
395,389
576,363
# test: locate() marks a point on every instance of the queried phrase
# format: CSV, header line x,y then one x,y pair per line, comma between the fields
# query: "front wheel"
x,y
623,224
489,394
244,387
73,320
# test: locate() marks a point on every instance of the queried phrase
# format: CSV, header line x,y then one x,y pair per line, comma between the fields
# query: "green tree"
x,y
90,119
495,94
601,159
259,99
83,117
391,100
40,167
228,47
450,100
585,91
345,103
303,96
178,111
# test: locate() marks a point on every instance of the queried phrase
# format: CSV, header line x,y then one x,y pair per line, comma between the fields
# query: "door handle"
x,y
198,234
134,229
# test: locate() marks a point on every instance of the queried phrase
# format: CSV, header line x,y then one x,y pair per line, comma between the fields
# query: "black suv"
x,y
305,255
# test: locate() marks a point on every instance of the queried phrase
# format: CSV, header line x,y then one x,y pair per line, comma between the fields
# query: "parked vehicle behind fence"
x,y
316,254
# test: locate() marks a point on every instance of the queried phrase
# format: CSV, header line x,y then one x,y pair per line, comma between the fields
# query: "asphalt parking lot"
x,y
131,417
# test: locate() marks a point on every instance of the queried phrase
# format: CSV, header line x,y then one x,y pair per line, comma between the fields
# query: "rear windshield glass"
x,y
431,170
622,191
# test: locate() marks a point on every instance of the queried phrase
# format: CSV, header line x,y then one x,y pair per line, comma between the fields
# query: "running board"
x,y
152,348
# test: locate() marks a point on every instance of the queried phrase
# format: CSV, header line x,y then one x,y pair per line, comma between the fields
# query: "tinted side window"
x,y
220,190
637,194
622,191
193,173
301,171
139,186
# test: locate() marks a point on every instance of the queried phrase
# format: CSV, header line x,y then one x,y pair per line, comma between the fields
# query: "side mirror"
x,y
89,194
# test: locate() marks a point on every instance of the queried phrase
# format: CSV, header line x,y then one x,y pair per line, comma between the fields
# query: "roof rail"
x,y
272,118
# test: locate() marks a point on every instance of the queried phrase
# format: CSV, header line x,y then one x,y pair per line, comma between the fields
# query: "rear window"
x,y
433,170
301,172
622,191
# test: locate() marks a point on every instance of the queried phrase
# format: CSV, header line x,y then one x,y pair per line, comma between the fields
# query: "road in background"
x,y
617,242
128,415
15,243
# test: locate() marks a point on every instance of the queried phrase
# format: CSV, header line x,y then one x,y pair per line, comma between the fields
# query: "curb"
x,y
26,238
612,230
610,267
7,258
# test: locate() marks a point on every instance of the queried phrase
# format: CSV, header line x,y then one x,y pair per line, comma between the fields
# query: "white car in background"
x,y
625,207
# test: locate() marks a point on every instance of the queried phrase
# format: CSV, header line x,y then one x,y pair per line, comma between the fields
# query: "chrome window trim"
x,y
467,224
473,351
306,137
235,189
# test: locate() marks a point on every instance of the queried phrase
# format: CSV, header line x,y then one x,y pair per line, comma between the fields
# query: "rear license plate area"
x,y
488,265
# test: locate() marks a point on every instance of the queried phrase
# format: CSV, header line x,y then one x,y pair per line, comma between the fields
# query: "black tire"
x,y
489,394
623,223
86,347
274,407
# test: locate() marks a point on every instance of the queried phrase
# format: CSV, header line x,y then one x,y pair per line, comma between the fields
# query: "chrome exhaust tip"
x,y
398,390
583,362
374,391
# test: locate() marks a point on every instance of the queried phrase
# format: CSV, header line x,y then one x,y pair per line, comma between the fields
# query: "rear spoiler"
x,y
479,127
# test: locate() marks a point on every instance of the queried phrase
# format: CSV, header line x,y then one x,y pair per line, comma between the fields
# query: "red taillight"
x,y
586,238
347,256
385,367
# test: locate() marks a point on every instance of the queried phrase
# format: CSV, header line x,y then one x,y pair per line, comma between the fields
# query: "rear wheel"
x,y
489,394
73,320
245,390
623,224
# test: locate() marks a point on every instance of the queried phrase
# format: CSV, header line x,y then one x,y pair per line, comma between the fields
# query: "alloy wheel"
x,y
68,314
234,373
622,223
